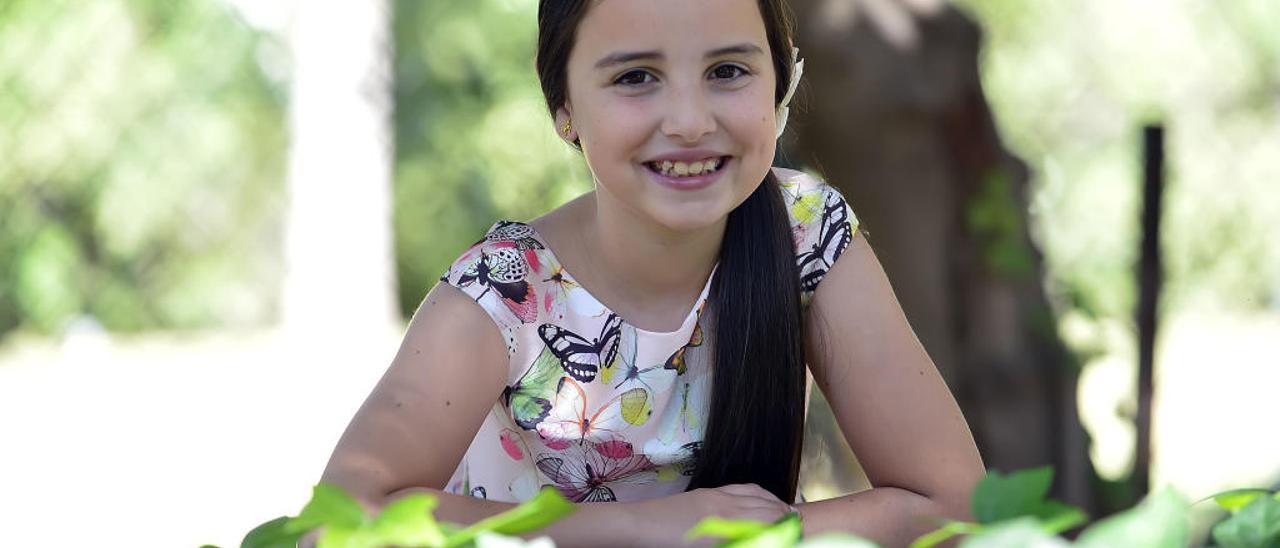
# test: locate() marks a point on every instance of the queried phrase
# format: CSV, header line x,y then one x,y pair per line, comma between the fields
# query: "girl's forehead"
x,y
668,25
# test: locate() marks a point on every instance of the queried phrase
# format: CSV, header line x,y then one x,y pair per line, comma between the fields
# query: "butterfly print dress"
x,y
595,407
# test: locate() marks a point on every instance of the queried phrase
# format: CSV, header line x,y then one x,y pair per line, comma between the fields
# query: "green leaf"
x,y
1257,525
1051,516
337,537
272,534
951,529
1056,517
538,512
783,534
728,529
1236,499
1024,532
330,507
408,522
1160,521
743,533
997,497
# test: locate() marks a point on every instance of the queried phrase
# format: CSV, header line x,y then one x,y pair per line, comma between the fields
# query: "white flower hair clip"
x,y
796,73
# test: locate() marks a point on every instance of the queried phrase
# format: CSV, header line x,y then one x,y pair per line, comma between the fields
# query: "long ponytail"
x,y
757,400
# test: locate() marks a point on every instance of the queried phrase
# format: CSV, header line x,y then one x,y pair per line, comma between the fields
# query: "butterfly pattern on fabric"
x,y
463,485
632,373
593,406
685,464
526,483
518,233
529,399
833,238
564,296
583,358
682,423
822,234
589,472
676,361
503,270
574,419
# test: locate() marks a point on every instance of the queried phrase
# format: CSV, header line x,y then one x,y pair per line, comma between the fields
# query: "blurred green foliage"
x,y
143,143
141,155
474,140
994,218
407,521
1072,82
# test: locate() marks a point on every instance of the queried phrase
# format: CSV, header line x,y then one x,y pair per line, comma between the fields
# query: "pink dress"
x,y
595,407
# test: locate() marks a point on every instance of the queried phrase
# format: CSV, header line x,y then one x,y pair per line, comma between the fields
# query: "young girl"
x,y
643,348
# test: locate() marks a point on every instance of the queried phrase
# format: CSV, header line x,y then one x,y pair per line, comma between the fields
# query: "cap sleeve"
x,y
498,272
822,223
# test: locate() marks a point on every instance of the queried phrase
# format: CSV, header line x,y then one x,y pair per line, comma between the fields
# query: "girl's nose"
x,y
688,115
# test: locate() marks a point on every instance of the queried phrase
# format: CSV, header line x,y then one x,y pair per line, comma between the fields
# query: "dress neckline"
x,y
690,319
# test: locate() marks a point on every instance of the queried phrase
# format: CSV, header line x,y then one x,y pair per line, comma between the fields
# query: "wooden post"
x,y
1149,281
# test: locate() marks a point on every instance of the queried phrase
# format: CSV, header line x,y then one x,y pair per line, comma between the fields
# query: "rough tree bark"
x,y
893,113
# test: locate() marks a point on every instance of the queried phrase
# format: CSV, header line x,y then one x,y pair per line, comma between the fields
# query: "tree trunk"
x,y
893,114
339,264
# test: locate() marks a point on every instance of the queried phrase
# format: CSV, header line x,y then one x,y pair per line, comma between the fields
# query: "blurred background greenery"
x,y
140,166
473,140
1070,82
144,144
144,151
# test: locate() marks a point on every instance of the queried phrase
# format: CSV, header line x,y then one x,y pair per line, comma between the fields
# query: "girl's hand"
x,y
670,518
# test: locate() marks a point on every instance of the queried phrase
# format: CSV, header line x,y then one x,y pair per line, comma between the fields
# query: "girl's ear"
x,y
564,124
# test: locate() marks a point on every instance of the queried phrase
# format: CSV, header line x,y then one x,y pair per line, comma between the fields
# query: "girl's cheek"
x,y
625,118
755,111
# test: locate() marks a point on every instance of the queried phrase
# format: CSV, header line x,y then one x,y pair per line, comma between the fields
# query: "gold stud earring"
x,y
568,125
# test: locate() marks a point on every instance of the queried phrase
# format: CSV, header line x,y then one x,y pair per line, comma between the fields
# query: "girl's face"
x,y
673,101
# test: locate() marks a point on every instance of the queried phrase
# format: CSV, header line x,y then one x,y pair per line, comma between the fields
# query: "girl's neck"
x,y
647,273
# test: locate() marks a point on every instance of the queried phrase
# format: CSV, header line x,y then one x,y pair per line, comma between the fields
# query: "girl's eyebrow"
x,y
620,57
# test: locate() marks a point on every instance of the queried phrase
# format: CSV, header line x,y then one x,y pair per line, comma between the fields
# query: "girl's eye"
x,y
633,78
728,72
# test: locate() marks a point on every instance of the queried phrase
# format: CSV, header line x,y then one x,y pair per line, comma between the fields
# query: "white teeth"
x,y
683,169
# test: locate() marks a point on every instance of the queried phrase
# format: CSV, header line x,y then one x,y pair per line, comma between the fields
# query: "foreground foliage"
x,y
406,522
1009,510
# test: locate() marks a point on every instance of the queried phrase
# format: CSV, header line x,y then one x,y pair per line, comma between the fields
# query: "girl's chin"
x,y
689,216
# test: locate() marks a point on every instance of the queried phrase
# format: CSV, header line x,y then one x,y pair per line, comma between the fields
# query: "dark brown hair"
x,y
757,399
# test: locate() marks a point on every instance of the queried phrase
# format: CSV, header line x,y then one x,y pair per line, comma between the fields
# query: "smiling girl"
x,y
643,348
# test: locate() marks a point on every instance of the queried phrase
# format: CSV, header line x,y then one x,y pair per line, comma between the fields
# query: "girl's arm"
x,y
654,522
892,406
422,415
415,426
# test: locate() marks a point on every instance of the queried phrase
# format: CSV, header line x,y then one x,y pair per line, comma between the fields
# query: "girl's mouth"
x,y
681,169
682,175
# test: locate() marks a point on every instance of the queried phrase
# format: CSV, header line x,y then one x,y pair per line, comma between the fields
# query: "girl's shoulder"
x,y
806,193
822,223
502,273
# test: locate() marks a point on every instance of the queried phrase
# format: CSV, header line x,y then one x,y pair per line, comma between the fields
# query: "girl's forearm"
x,y
460,509
889,516
593,524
